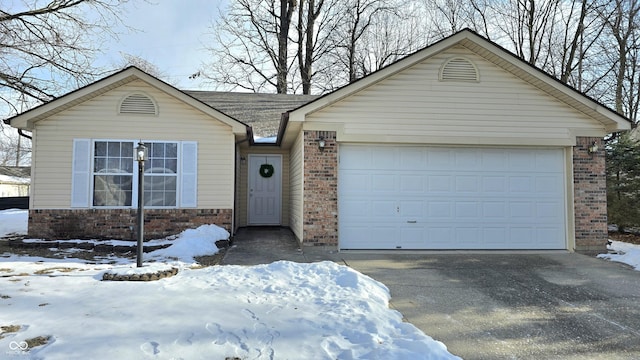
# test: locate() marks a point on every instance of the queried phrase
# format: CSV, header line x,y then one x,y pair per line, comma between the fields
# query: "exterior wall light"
x,y
141,156
321,143
593,148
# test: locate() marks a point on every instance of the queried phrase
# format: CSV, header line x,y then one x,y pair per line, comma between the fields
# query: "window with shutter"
x,y
105,175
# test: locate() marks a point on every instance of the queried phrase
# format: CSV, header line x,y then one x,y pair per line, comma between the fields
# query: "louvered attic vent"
x,y
459,69
140,104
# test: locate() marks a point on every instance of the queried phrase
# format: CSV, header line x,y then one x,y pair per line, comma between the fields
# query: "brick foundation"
x,y
320,210
120,223
590,196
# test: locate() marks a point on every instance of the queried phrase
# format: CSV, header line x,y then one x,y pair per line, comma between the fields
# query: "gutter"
x,y
21,132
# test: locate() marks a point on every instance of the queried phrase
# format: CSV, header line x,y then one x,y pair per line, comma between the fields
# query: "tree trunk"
x,y
286,12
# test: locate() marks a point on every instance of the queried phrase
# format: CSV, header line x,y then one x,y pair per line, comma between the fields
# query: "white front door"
x,y
265,189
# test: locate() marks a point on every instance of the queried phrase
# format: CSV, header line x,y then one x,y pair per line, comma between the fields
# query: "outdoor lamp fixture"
x,y
593,148
321,143
141,156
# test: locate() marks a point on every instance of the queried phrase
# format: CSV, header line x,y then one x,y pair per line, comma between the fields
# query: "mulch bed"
x,y
13,244
626,237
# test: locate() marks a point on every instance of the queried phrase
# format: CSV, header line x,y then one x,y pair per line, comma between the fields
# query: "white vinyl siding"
x,y
53,145
297,186
413,106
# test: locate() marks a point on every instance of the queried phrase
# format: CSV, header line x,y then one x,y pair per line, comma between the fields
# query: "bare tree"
x,y
307,18
15,150
48,47
251,46
359,16
623,20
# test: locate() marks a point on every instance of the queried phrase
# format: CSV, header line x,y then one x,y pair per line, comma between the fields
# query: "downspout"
x,y
21,132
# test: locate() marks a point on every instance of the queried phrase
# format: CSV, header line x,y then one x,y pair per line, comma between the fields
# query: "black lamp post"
x,y
141,156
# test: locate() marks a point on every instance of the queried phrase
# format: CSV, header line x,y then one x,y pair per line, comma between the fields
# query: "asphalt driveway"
x,y
490,305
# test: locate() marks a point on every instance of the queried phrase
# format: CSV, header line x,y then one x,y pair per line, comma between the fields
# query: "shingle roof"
x,y
16,171
260,111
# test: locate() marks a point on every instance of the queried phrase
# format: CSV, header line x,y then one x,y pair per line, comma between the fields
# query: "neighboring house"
x,y
459,146
14,181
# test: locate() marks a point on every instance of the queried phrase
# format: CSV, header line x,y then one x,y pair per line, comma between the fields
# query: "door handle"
x,y
412,221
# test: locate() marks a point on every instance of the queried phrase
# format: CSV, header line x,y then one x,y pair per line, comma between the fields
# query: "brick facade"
x,y
320,210
121,223
590,196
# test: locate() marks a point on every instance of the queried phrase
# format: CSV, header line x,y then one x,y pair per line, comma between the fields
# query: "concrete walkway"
x,y
491,305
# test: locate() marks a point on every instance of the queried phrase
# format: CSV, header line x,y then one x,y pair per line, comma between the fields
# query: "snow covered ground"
x,y
60,309
623,252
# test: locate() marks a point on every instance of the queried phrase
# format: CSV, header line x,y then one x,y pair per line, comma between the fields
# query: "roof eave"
x,y
27,119
611,120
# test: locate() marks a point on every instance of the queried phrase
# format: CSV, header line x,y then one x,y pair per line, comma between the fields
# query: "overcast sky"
x,y
171,36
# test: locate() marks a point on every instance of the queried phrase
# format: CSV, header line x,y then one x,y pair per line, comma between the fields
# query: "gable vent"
x,y
459,69
138,104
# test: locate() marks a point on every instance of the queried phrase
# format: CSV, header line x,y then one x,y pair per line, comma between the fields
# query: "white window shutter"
x,y
189,174
81,173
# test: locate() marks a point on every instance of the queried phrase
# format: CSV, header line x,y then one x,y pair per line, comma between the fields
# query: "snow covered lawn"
x,y
60,309
623,252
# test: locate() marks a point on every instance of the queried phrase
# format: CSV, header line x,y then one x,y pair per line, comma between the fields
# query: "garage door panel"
x,y
358,210
382,210
467,159
384,183
467,236
467,183
548,185
521,184
439,183
384,158
410,158
440,210
495,237
494,210
412,183
494,184
411,209
354,182
451,198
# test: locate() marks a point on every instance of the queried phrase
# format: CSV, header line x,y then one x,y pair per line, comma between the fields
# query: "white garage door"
x,y
394,197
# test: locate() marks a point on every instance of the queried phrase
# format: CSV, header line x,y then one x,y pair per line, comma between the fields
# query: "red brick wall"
x,y
320,210
590,196
120,223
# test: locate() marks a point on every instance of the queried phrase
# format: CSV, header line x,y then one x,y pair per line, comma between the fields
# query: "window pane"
x,y
99,164
126,150
172,165
113,149
172,150
127,165
157,150
113,165
170,198
101,148
156,165
110,190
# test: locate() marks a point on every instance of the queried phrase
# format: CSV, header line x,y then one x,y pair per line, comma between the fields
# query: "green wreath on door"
x,y
266,170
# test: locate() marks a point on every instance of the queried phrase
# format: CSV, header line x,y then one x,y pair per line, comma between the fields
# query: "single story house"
x,y
14,181
460,145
